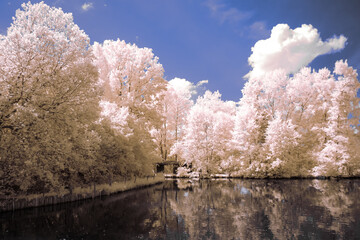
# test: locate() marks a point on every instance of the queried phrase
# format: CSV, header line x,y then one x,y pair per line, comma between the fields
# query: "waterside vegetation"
x,y
8,203
75,114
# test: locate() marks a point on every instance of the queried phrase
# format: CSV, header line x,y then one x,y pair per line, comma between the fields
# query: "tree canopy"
x,y
72,113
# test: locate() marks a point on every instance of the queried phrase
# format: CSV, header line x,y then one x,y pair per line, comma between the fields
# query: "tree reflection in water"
x,y
207,209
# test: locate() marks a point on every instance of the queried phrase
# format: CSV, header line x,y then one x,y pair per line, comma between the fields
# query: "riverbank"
x,y
8,203
228,176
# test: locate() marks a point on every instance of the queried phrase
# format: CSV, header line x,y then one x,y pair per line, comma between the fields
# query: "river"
x,y
206,209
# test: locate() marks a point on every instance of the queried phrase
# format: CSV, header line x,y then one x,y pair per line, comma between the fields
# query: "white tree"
x,y
333,152
300,125
207,132
132,81
131,74
176,104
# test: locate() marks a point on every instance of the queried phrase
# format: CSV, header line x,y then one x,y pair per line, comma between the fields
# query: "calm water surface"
x,y
208,209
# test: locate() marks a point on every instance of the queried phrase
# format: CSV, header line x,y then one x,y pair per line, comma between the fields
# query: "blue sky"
x,y
208,39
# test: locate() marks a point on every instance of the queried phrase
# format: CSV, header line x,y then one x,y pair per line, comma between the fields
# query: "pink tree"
x,y
333,152
207,132
176,104
131,77
291,126
132,82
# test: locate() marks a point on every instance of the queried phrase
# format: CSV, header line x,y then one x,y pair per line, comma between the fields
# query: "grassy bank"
x,y
8,203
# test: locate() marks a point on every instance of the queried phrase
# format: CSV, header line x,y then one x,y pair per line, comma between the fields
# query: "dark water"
x,y
212,209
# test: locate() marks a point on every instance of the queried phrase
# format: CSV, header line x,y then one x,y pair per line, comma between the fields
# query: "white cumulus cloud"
x,y
87,6
290,49
187,88
183,86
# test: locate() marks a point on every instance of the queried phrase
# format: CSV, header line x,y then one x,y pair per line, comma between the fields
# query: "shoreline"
x,y
215,176
12,203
